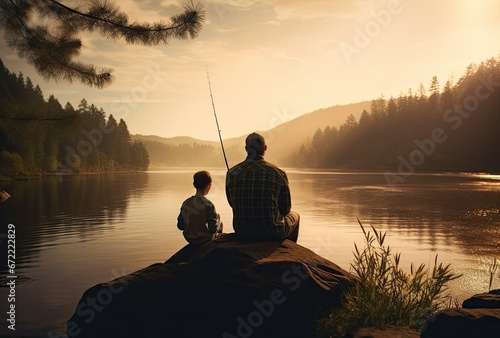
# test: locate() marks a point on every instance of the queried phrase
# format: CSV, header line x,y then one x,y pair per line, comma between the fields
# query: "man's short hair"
x,y
201,179
255,141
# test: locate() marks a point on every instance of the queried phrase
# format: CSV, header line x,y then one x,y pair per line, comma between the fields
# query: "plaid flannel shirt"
x,y
259,194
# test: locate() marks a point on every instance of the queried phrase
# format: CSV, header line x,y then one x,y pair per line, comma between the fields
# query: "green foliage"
x,y
11,164
38,135
384,294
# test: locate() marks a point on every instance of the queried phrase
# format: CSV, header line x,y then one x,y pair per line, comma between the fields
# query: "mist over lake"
x,y
74,231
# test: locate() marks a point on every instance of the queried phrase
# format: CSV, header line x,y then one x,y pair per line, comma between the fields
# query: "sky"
x,y
270,61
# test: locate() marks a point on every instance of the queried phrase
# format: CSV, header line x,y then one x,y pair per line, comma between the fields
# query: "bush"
x,y
383,294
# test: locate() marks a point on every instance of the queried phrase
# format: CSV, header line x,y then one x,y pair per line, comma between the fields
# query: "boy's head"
x,y
202,179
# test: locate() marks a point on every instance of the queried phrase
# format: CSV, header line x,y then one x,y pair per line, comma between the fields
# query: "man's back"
x,y
259,194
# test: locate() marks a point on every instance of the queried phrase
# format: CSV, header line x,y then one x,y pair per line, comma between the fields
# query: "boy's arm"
x,y
213,219
180,221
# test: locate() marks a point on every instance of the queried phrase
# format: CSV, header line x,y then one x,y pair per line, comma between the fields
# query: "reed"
x,y
383,293
493,270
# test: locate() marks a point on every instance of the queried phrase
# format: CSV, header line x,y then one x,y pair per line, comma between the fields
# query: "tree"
x,y
378,110
123,154
348,126
434,97
392,109
139,155
45,33
446,99
318,144
110,138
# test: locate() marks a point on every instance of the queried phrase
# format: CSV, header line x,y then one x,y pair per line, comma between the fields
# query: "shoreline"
x,y
287,169
48,174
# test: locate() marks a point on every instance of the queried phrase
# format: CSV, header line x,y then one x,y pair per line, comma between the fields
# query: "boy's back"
x,y
195,212
198,219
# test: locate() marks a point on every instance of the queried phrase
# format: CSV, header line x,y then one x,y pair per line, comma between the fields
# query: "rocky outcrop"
x,y
226,288
478,317
388,331
490,300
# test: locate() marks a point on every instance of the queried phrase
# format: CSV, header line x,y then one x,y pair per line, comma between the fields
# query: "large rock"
x,y
388,331
226,288
479,317
464,323
490,300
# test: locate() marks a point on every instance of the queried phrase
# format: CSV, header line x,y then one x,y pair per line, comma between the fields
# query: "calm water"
x,y
73,232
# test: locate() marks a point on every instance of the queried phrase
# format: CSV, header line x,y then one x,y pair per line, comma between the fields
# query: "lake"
x,y
74,231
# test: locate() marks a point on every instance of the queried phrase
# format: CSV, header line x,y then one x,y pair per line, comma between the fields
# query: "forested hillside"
x,y
283,140
456,128
38,135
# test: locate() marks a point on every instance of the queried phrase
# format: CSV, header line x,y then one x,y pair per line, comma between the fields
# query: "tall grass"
x,y
493,270
384,294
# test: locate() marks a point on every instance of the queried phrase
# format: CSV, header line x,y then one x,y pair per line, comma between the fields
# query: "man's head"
x,y
255,144
202,180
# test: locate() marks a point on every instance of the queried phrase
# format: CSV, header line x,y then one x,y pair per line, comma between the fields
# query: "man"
x,y
259,194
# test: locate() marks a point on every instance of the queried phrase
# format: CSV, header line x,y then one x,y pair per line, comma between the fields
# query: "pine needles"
x,y
45,33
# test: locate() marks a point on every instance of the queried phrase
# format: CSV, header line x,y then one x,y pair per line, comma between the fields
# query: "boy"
x,y
198,219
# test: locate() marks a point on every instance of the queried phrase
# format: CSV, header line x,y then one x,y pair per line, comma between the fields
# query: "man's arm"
x,y
228,188
285,199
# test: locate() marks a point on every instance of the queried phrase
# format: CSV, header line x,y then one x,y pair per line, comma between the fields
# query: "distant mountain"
x,y
175,141
289,136
283,140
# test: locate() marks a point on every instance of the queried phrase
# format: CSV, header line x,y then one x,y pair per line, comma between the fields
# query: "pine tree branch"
x,y
193,12
104,16
51,50
51,56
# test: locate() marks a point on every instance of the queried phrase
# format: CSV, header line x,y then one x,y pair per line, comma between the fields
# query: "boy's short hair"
x,y
201,179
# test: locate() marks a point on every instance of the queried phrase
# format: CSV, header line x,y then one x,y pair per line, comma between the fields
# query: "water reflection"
x,y
64,205
84,229
462,209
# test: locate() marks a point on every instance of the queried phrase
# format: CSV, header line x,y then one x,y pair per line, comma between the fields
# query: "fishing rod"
x,y
217,121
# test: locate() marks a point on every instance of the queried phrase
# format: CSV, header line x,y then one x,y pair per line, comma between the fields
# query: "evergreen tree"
x,y
433,101
392,109
319,146
123,154
139,155
84,139
379,111
446,99
110,143
349,126
469,120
